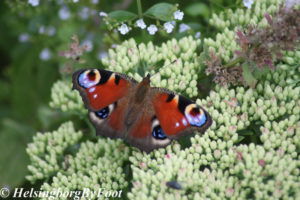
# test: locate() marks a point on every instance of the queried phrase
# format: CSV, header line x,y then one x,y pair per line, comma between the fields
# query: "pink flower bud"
x,y
261,162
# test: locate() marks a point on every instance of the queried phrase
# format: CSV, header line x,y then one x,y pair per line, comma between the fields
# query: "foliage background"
x,y
26,79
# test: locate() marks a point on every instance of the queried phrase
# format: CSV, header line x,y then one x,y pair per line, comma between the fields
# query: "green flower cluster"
x,y
243,16
76,166
47,151
229,21
180,76
66,99
95,166
224,45
290,65
210,169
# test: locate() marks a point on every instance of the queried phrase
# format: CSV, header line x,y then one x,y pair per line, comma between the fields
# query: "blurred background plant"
x,y
43,42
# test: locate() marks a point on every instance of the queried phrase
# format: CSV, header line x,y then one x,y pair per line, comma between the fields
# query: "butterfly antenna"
x,y
162,67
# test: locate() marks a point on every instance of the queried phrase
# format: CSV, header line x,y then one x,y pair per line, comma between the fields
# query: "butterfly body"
x,y
146,117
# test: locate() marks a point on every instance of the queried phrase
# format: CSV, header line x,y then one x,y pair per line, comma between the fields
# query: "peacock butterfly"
x,y
144,116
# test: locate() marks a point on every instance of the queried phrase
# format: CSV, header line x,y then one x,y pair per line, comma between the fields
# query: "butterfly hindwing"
x,y
145,132
109,120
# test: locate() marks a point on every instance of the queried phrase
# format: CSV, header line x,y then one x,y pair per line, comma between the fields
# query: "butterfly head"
x,y
146,79
142,89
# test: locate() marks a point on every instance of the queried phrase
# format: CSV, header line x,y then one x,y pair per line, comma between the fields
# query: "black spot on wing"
x,y
170,97
195,112
105,75
153,118
158,133
183,103
103,113
117,79
91,74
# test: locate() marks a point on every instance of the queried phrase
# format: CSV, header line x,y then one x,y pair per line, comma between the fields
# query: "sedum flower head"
x,y
180,76
94,166
242,17
66,99
47,148
58,157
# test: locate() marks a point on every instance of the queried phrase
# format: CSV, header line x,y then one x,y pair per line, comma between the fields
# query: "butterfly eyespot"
x,y
89,78
103,113
158,133
195,115
91,75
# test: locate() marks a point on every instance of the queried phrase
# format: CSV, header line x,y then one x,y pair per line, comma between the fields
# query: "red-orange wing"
x,y
100,88
178,115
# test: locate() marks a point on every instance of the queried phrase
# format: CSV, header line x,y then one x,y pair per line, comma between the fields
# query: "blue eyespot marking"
x,y
196,117
87,80
103,113
158,133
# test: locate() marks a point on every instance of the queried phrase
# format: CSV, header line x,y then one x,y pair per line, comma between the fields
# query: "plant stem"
x,y
234,62
91,127
139,6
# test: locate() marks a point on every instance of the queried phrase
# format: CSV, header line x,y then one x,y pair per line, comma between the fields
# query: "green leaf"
x,y
161,11
14,160
195,25
246,133
197,9
248,76
119,16
240,138
258,73
32,81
